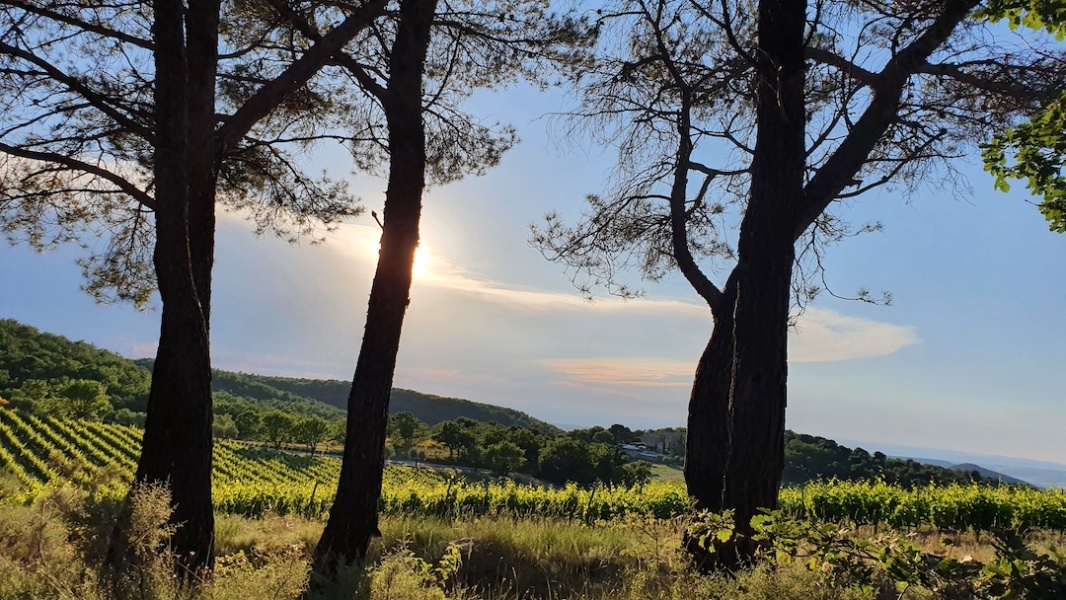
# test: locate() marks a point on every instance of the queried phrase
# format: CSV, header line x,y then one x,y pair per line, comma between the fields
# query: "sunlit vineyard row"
x,y
251,481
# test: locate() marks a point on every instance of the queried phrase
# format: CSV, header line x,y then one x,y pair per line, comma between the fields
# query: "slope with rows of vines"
x,y
251,480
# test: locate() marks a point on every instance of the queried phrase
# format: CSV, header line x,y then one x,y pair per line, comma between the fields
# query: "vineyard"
x,y
250,481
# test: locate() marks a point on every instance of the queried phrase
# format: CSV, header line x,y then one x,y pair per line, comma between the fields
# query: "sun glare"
x,y
423,262
365,243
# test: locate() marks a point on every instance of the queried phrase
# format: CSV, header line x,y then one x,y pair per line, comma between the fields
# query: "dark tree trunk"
x,y
709,437
735,455
353,518
203,159
737,410
177,444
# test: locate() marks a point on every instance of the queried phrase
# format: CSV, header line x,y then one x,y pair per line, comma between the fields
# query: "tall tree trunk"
x,y
177,444
353,518
740,393
767,253
202,159
709,438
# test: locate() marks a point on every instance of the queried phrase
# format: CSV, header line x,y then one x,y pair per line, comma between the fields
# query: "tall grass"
x,y
55,548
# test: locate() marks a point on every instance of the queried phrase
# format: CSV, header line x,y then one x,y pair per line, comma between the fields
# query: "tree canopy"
x,y
743,131
1033,151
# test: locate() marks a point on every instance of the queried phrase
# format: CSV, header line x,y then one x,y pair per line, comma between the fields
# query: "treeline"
x,y
584,457
428,408
810,458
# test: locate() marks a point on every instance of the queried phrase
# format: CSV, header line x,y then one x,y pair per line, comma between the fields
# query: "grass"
x,y
662,471
54,548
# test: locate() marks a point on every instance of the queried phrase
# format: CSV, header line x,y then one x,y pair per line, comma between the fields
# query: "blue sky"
x,y
968,357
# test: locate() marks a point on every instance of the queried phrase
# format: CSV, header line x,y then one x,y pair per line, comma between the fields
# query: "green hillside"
x,y
34,365
31,362
428,408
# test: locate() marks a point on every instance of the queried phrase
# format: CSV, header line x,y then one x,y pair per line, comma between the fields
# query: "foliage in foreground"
x,y
449,538
53,548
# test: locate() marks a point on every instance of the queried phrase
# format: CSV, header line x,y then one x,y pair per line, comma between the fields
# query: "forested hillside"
x,y
429,409
34,363
45,373
36,366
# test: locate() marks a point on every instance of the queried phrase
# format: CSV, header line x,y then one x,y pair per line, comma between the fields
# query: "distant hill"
x,y
988,474
29,354
1041,473
428,408
810,457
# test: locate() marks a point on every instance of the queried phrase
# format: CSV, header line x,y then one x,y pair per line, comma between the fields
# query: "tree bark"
x,y
737,408
709,438
177,444
353,518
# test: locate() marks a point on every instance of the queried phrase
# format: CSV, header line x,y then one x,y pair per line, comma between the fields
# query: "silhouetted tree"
x,y
140,153
802,106
420,65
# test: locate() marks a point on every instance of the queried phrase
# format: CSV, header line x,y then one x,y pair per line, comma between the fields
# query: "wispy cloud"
x,y
433,270
626,372
610,345
823,335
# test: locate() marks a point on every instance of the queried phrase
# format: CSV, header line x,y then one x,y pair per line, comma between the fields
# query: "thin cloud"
x,y
432,269
624,372
823,335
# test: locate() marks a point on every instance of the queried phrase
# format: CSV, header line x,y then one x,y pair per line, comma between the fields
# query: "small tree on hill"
x,y
249,424
340,432
311,431
125,416
85,399
457,438
621,433
636,474
224,427
33,396
566,459
504,457
607,462
277,427
404,428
